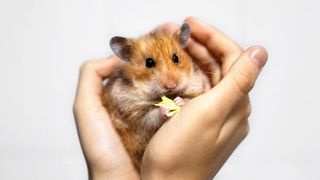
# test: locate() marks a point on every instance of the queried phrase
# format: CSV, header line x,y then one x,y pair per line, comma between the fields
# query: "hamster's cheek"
x,y
185,81
183,84
148,87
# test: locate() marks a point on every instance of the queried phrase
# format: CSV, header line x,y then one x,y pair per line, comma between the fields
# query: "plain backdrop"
x,y
43,43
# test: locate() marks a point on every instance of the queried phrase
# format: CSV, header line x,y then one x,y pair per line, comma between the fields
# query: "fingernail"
x,y
258,55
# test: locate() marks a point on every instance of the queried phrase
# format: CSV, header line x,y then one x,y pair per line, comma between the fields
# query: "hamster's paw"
x,y
164,112
179,101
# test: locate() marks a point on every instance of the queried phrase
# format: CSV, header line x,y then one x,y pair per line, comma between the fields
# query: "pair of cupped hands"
x,y
193,144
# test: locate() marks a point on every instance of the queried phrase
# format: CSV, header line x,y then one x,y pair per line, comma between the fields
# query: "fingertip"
x,y
167,28
247,68
190,19
106,66
102,67
258,55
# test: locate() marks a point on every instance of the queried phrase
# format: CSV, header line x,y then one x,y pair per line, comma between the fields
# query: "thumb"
x,y
239,80
244,72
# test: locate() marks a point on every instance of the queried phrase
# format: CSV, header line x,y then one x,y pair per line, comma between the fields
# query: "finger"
x,y
234,86
218,44
100,142
204,60
92,74
167,28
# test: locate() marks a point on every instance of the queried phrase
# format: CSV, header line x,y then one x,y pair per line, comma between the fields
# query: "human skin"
x,y
195,143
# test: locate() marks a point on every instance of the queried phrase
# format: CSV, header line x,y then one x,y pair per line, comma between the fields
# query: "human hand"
x,y
104,152
196,142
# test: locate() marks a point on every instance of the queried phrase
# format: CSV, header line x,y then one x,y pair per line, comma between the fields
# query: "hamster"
x,y
153,65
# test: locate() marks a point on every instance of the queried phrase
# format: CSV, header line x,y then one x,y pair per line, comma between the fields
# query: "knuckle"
x,y
75,108
232,54
244,128
246,131
248,111
86,66
235,52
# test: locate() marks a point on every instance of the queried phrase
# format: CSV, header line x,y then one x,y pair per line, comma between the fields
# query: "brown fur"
x,y
133,89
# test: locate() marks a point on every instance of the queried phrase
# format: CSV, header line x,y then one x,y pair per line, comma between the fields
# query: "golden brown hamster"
x,y
153,65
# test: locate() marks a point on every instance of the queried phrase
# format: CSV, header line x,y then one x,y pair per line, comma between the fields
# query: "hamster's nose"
x,y
170,84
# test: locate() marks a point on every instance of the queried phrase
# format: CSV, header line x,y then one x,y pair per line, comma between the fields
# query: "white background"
x,y
43,43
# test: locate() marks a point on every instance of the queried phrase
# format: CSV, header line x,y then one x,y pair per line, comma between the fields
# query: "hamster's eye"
x,y
175,59
150,63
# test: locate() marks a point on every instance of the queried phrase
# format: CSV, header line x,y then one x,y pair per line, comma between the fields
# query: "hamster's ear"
x,y
121,47
183,34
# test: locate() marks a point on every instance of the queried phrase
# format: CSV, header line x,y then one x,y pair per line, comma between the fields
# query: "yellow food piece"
x,y
169,104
